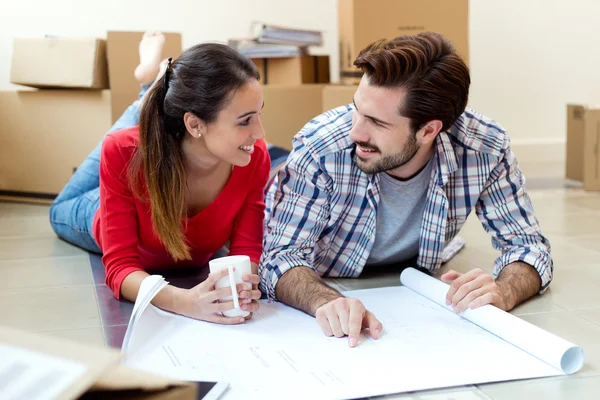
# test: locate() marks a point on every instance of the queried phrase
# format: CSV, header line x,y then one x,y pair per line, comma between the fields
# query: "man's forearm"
x,y
519,281
302,288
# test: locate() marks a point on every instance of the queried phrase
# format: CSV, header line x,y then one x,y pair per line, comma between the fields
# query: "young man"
x,y
392,178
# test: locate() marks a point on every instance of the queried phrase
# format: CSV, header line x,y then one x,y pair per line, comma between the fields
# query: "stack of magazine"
x,y
270,41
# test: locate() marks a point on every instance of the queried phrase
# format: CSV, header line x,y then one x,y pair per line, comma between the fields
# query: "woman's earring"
x,y
199,135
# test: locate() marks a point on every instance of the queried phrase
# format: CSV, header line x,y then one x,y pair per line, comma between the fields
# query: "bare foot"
x,y
161,71
150,50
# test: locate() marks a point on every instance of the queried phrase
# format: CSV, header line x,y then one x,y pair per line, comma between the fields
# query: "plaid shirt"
x,y
321,208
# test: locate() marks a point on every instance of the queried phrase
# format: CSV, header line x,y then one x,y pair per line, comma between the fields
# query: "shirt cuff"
x,y
271,271
538,259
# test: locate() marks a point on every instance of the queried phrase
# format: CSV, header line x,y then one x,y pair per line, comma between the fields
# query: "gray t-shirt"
x,y
399,216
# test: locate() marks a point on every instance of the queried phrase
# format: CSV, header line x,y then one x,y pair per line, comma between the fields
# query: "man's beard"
x,y
388,162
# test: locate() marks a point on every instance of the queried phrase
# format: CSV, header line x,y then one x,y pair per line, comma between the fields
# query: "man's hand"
x,y
516,283
344,316
301,288
475,289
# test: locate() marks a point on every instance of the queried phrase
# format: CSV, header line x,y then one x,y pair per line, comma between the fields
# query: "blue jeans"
x,y
72,212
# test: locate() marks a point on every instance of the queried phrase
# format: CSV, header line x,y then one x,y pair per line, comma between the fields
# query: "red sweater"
x,y
123,227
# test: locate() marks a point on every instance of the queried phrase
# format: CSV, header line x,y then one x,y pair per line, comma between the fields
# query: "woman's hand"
x,y
200,302
250,297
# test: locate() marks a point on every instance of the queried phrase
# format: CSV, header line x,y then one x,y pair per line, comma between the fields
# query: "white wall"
x,y
528,57
197,20
531,57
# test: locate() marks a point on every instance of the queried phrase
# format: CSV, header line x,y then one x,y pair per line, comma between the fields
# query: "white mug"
x,y
242,267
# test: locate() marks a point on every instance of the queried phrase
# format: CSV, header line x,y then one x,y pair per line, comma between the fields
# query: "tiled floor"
x,y
48,286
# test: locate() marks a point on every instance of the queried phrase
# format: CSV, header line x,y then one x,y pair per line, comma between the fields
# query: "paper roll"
x,y
553,350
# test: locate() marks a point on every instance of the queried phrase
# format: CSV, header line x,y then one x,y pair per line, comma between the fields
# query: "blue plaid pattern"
x,y
321,208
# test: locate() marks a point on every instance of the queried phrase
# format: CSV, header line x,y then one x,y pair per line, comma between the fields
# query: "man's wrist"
x,y
508,294
302,288
322,300
518,281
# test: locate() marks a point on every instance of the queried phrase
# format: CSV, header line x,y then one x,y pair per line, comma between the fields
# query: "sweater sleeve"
x,y
248,226
118,216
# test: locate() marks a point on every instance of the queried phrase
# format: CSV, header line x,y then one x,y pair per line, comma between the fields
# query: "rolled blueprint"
x,y
551,349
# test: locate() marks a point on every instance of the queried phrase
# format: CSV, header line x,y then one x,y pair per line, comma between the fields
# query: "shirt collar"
x,y
446,158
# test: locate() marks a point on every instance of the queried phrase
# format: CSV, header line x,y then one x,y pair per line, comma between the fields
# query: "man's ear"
x,y
194,125
429,131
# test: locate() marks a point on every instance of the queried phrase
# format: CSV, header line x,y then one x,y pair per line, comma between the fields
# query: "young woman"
x,y
173,190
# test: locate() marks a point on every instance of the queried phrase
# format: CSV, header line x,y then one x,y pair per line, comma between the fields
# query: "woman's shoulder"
x,y
123,141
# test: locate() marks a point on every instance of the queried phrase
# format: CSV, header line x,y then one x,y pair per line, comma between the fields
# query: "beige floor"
x,y
47,285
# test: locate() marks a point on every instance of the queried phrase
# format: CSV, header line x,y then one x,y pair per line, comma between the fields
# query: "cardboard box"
x,y
591,150
287,109
575,139
60,62
45,134
362,22
86,63
337,95
123,57
87,371
583,145
293,70
37,159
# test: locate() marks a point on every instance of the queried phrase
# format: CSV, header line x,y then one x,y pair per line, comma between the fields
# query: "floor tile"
x,y
576,287
50,309
565,254
471,257
589,201
112,311
17,220
29,226
591,315
587,242
582,388
114,335
46,272
14,248
570,225
460,393
474,233
93,336
12,209
574,329
538,304
98,271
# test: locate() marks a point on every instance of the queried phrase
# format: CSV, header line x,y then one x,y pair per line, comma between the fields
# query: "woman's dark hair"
x,y
201,81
